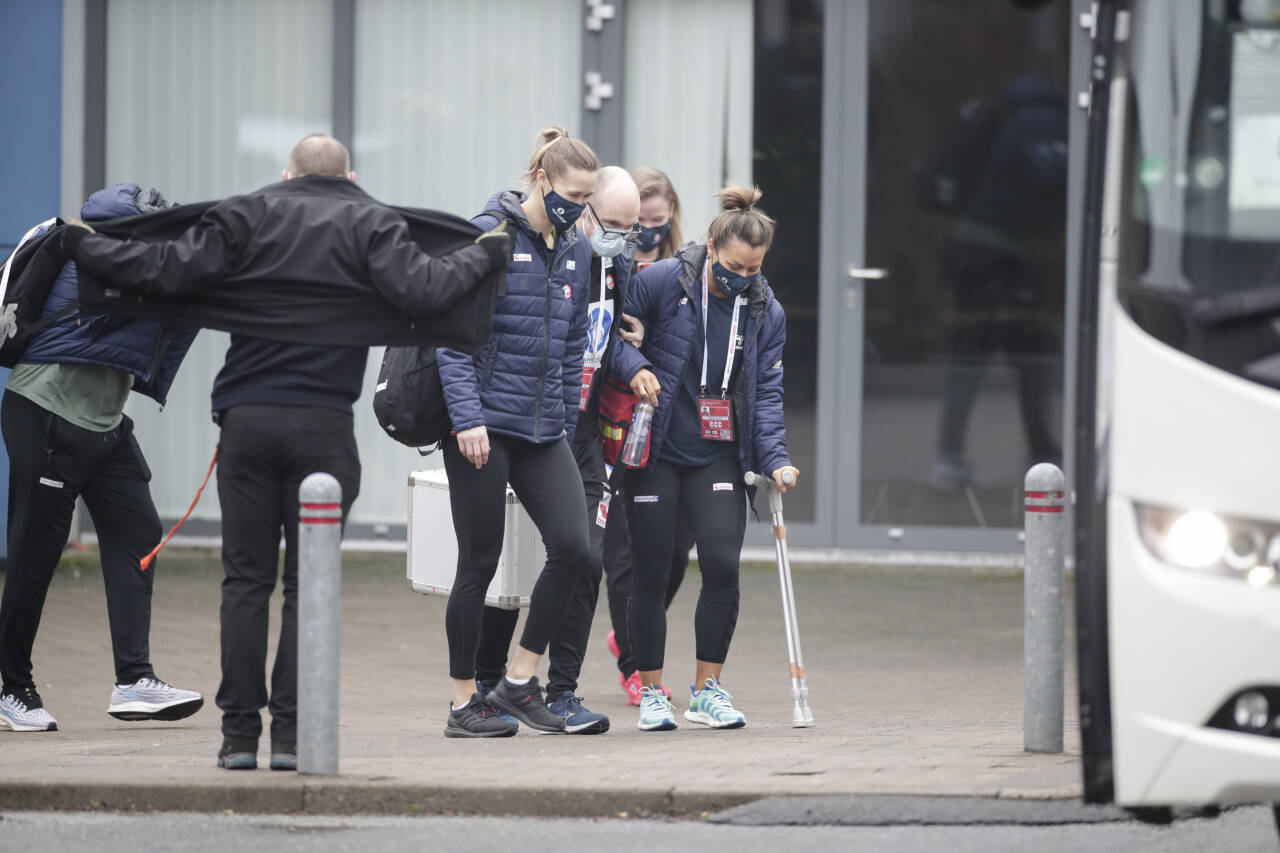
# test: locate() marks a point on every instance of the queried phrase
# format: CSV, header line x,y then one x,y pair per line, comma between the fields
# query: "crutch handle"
x,y
751,478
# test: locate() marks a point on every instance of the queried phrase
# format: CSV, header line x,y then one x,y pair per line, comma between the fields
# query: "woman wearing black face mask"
x,y
659,237
713,345
514,409
659,216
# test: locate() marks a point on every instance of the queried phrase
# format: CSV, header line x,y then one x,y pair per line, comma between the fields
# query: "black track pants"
x,y
51,461
546,479
711,498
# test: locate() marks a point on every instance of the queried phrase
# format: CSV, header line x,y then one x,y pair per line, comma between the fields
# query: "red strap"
x,y
146,561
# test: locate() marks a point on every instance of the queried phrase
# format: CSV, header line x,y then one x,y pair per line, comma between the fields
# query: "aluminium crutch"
x,y
801,715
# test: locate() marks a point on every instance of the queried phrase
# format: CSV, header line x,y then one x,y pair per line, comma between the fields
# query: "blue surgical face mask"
x,y
608,245
730,283
562,212
650,238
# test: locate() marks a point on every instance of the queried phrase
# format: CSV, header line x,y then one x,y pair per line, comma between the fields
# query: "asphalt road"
x,y
1241,830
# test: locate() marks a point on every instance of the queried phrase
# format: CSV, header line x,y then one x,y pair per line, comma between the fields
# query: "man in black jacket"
x,y
284,407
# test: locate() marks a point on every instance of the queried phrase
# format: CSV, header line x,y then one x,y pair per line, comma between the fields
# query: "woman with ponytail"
x,y
514,408
711,364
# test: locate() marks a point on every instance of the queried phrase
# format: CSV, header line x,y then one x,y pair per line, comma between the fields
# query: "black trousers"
x,y
51,462
546,479
264,454
618,563
610,553
712,499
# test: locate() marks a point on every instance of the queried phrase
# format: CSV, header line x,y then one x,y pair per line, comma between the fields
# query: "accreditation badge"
x,y
716,415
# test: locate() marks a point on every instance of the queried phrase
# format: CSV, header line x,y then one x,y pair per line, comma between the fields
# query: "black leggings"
x,y
711,498
545,478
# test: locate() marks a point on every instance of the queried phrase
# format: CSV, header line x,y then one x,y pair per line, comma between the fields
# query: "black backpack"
x,y
27,277
947,178
408,400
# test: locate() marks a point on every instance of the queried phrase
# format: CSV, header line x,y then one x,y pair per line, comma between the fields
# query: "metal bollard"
x,y
1043,666
319,588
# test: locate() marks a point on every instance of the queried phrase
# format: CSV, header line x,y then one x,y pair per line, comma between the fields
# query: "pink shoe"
x,y
631,687
611,641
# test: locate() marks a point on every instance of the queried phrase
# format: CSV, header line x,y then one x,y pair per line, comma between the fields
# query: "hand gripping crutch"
x,y
801,715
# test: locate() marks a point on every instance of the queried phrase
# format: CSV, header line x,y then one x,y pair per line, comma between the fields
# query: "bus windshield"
x,y
1200,268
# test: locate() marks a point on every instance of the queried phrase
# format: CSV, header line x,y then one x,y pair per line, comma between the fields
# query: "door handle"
x,y
867,273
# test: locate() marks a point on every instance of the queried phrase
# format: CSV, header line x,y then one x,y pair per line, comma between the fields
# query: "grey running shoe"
x,y
478,719
151,699
23,711
525,703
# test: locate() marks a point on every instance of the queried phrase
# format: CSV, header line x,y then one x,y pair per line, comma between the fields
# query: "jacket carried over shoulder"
x,y
314,259
525,382
150,350
667,298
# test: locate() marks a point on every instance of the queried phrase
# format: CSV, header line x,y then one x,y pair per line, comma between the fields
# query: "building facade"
x,y
929,337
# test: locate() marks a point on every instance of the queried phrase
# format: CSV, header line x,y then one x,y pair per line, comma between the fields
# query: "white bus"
x,y
1178,437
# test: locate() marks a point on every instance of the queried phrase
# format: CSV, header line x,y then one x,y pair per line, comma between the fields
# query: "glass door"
x,y
945,224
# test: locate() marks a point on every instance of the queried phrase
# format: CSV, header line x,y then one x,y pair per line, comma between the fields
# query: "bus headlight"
x,y
1204,541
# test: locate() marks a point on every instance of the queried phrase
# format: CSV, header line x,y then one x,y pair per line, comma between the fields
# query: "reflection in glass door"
x,y
963,280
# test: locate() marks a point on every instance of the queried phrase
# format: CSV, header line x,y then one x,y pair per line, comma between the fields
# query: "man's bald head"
x,y
616,199
319,154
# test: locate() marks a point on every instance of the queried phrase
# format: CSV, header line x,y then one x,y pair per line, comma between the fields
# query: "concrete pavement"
x,y
915,680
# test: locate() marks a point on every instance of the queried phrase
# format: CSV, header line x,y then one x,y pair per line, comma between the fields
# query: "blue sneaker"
x,y
713,706
484,688
656,714
577,719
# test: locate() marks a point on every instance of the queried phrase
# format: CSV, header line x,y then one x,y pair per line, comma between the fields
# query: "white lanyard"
x,y
733,337
605,265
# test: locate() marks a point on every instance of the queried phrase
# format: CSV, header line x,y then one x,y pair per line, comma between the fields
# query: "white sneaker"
x,y
152,699
24,712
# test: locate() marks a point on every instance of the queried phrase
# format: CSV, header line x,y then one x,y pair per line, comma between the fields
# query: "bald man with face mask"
x,y
611,222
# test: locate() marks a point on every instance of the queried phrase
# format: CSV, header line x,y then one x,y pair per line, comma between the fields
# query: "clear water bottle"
x,y
638,435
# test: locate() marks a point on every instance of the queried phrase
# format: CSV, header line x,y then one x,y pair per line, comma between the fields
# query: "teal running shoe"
x,y
713,706
656,713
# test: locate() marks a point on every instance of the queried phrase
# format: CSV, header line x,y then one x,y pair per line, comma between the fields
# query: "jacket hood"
x,y
111,203
509,201
122,200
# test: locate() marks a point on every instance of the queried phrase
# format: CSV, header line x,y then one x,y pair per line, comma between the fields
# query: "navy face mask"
x,y
650,238
562,212
730,283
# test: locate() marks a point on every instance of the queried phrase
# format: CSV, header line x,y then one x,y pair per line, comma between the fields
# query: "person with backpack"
x,y
67,437
610,222
711,364
658,239
514,407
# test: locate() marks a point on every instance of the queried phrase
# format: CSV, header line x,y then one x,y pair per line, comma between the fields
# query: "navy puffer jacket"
x,y
526,381
150,350
667,299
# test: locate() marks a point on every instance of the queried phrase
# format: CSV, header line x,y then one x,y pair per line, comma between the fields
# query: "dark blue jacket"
x,y
667,297
526,381
148,349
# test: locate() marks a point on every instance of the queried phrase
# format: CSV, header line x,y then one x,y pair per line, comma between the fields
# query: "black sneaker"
x,y
238,753
478,719
284,755
525,703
